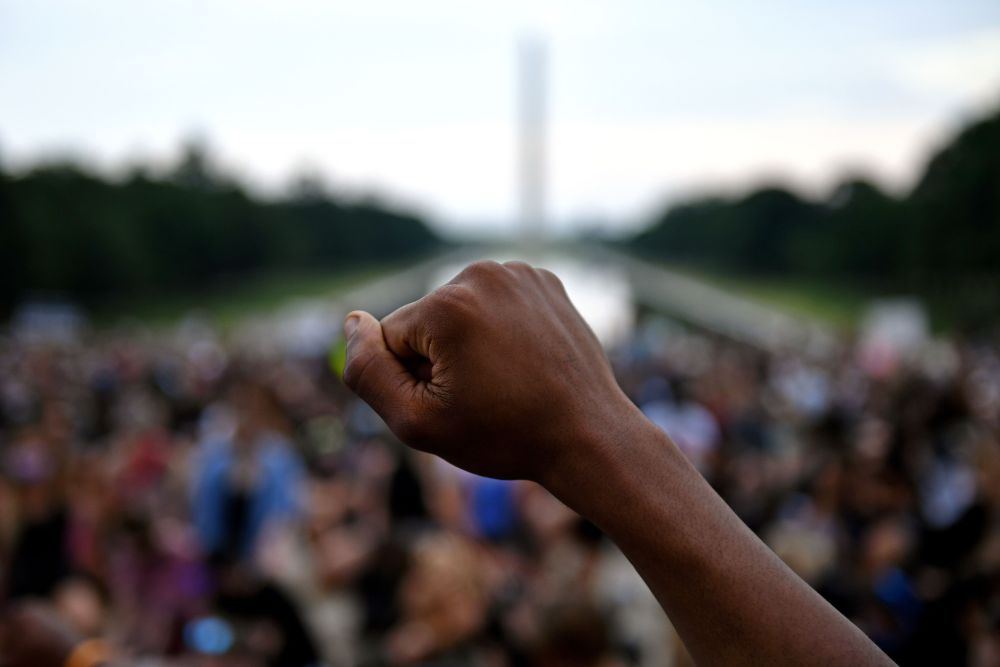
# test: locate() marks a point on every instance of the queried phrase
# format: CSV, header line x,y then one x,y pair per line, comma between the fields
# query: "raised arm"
x,y
497,373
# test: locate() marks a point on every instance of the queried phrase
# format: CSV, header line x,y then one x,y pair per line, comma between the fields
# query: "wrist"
x,y
636,485
601,458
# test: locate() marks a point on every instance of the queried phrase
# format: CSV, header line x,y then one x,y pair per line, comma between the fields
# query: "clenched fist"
x,y
495,372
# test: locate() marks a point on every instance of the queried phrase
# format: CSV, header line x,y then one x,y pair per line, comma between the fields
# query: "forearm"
x,y
730,598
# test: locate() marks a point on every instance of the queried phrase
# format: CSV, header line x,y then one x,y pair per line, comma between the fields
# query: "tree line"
x,y
941,240
69,231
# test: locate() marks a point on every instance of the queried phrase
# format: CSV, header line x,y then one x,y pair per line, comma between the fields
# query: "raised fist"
x,y
495,371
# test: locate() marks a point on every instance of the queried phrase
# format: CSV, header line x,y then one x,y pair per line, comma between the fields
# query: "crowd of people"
x,y
196,502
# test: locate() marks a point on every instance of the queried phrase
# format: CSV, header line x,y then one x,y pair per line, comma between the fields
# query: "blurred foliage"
x,y
229,301
941,241
69,231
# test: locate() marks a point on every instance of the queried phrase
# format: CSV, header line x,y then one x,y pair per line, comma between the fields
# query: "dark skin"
x,y
497,373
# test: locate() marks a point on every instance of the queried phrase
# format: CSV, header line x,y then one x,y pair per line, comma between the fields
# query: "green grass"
x,y
837,305
228,302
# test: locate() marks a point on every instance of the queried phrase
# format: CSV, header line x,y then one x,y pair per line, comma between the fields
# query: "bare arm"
x,y
731,599
497,373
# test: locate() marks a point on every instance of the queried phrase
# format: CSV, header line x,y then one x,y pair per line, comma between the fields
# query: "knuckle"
x,y
519,266
552,279
548,275
451,304
451,297
482,269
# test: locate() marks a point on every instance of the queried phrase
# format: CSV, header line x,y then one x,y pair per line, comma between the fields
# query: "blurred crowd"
x,y
197,503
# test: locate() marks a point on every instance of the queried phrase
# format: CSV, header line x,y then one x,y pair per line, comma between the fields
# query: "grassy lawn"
x,y
228,302
840,306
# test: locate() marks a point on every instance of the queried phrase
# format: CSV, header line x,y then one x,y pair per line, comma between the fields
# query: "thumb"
x,y
372,371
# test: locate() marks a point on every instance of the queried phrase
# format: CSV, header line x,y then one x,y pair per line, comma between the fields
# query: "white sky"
x,y
650,100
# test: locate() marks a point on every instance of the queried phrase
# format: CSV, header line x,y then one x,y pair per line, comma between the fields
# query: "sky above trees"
x,y
649,100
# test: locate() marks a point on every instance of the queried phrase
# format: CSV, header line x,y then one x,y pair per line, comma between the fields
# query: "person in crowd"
x,y
248,478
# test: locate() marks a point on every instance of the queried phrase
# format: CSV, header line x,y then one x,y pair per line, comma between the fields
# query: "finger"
x,y
373,372
423,329
405,331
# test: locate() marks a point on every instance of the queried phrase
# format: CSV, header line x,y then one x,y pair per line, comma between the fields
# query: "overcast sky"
x,y
649,99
